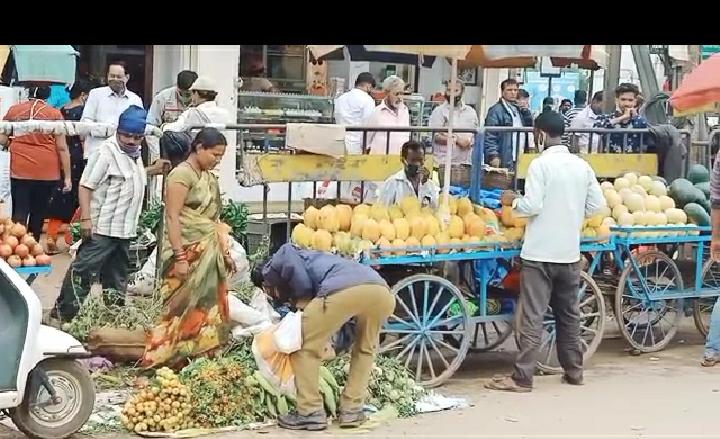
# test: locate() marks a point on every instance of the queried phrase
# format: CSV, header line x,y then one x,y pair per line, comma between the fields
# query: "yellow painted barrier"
x,y
310,167
606,165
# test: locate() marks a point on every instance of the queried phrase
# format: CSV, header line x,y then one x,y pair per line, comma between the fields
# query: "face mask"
x,y
132,150
411,169
457,99
116,85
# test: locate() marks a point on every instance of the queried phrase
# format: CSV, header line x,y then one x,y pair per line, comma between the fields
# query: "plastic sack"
x,y
288,335
272,364
244,314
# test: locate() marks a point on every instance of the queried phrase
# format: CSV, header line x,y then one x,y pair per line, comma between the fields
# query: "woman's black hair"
x,y
207,138
547,104
256,275
175,146
79,87
39,92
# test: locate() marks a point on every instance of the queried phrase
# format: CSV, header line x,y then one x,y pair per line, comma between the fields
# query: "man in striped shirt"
x,y
580,103
111,195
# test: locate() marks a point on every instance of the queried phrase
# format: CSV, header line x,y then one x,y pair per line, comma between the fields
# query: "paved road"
x,y
666,394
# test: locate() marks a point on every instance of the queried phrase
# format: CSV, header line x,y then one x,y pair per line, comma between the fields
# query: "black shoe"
x,y
315,421
351,418
567,379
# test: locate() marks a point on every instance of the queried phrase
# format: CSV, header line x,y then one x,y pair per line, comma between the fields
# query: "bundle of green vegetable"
x,y
390,383
235,215
140,312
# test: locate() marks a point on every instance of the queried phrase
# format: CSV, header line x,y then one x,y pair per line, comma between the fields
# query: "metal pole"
x,y
612,77
648,81
450,140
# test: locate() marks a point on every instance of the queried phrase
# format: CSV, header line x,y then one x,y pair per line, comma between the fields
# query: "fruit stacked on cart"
x,y
647,204
19,248
407,228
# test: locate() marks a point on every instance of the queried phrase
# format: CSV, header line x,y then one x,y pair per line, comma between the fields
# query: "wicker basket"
x,y
498,179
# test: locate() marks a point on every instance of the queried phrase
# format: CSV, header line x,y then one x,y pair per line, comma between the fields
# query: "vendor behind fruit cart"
x,y
339,290
411,181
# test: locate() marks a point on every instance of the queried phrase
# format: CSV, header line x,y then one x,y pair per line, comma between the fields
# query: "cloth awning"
x,y
44,63
699,90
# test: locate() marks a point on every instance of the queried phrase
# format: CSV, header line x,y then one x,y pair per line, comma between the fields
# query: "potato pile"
x,y
19,248
164,405
404,227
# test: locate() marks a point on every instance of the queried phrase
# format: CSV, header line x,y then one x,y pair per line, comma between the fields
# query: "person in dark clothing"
x,y
625,116
338,290
63,205
500,148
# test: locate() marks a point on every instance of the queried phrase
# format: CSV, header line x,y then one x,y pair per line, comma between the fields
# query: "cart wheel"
x,y
702,308
592,326
428,309
649,324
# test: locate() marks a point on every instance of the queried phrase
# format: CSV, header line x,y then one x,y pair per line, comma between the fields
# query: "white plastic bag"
x,y
244,314
288,335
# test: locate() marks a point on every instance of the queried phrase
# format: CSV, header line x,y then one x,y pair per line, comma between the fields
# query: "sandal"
x,y
507,384
709,361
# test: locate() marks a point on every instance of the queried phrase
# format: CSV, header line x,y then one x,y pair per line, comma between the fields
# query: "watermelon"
x,y
705,204
683,192
698,174
705,187
697,214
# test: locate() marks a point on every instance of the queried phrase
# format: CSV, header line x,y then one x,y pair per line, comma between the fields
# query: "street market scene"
x,y
372,240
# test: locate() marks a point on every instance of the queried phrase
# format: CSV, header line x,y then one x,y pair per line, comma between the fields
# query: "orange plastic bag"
x,y
272,364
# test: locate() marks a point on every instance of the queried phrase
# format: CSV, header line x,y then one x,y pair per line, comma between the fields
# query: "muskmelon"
x,y
387,230
310,217
371,230
619,210
626,219
456,228
595,220
464,206
621,183
328,219
344,214
322,241
613,199
362,209
657,188
639,218
635,203
645,181
606,185
357,223
631,177
676,216
652,203
418,228
666,202
402,228
639,190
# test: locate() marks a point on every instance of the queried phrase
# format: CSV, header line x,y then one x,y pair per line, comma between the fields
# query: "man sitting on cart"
x,y
560,191
411,181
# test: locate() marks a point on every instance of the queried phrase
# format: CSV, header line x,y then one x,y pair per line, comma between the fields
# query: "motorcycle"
x,y
43,389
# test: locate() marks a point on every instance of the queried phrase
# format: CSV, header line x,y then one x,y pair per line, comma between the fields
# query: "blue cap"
x,y
132,120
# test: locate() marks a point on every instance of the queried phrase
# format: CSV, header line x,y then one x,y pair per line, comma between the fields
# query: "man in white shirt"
x,y
411,181
585,119
353,108
464,117
560,191
105,104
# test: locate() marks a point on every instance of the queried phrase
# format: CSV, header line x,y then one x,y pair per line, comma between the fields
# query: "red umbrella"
x,y
699,90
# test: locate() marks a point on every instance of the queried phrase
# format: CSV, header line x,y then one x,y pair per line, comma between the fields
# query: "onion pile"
x,y
19,248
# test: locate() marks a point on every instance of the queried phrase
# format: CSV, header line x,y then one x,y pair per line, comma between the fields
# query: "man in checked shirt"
x,y
625,116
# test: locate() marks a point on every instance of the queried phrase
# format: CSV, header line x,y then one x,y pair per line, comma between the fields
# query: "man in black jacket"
x,y
500,148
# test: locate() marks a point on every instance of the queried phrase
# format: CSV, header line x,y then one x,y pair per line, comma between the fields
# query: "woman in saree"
x,y
195,260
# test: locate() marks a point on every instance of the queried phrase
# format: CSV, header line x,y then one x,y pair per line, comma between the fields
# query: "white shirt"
x,y
118,186
585,119
353,108
207,112
105,106
464,117
560,191
398,186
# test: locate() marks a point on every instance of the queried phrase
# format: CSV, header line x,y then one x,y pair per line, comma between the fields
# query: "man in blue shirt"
x,y
339,290
626,116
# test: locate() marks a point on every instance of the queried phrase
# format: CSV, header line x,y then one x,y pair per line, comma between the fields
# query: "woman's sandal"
x,y
506,384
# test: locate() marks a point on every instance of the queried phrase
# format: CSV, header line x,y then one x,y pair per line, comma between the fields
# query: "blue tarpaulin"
x,y
45,63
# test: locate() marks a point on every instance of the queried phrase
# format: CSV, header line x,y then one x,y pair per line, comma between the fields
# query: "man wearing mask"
x,y
560,191
411,181
464,116
105,104
500,148
204,108
586,119
625,116
111,194
353,108
168,105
